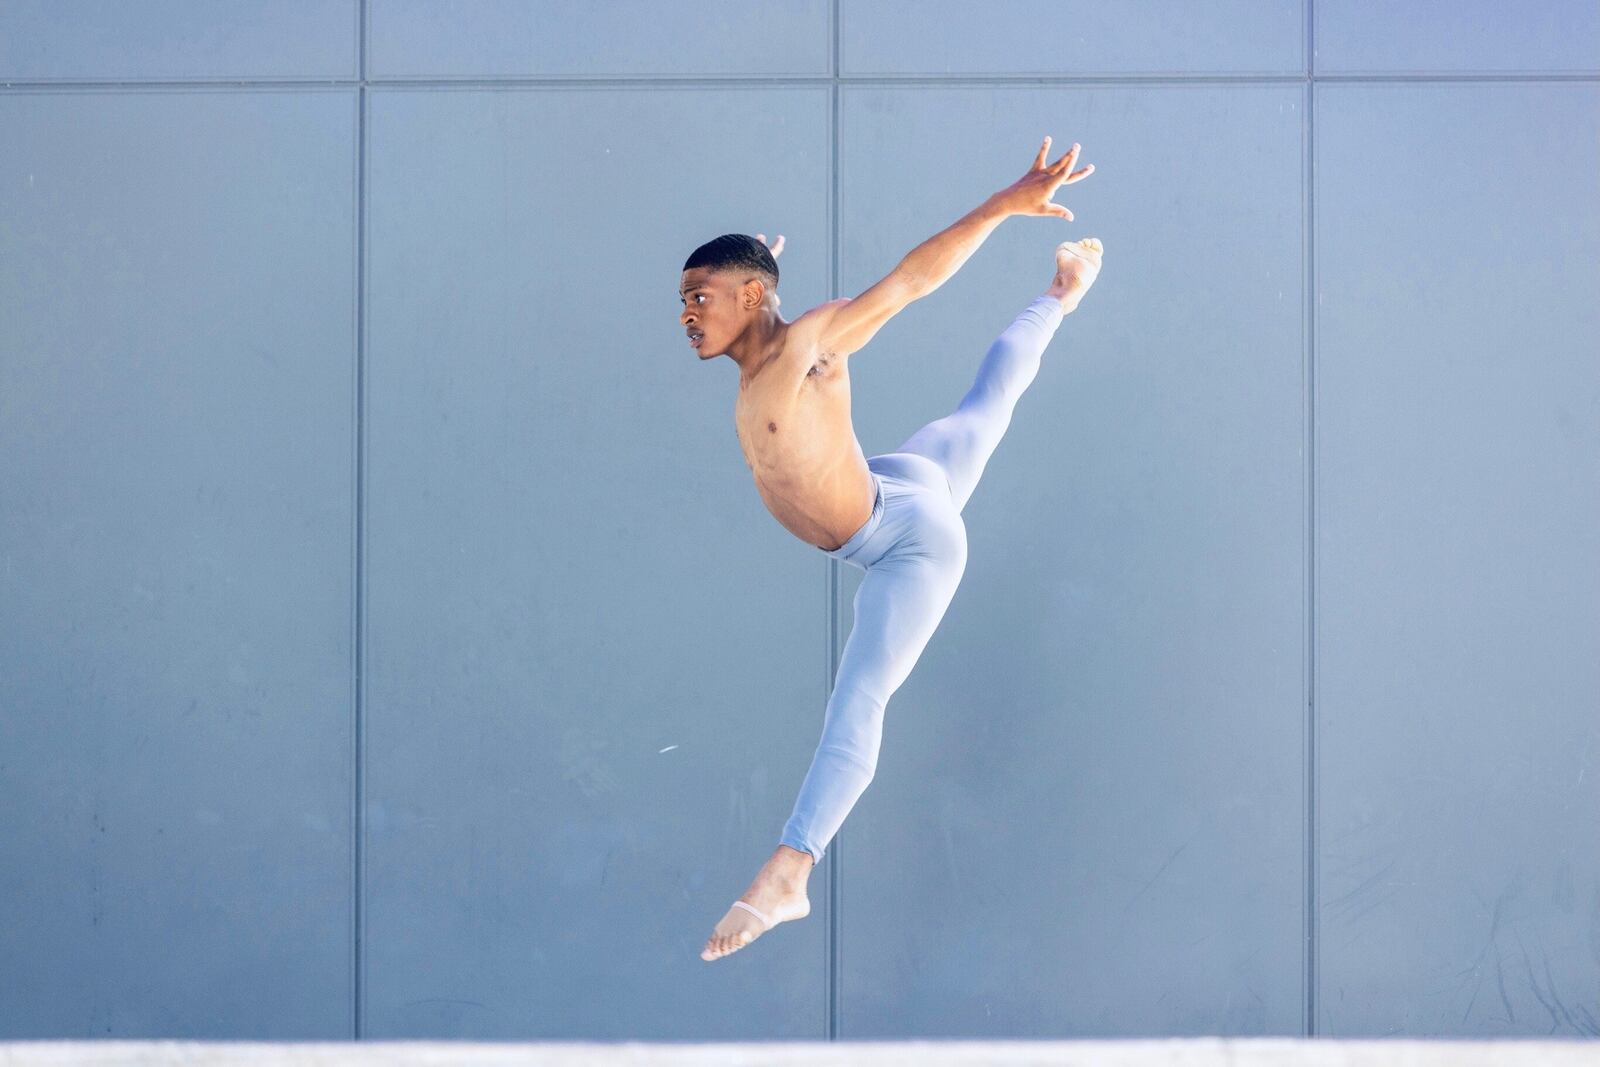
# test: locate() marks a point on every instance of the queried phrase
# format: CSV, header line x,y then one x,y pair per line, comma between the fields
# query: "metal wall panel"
x,y
1459,498
569,569
1456,36
177,40
547,38
177,528
1087,816
1015,37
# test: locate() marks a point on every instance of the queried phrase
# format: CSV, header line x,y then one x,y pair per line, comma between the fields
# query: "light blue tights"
x,y
913,550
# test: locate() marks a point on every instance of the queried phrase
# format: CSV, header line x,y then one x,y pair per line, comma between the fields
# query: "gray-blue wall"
x,y
392,642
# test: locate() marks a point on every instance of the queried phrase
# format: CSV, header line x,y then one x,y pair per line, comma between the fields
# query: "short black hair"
x,y
737,252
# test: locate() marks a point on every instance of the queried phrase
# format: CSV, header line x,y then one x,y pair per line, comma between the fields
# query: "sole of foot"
x,y
1077,265
738,928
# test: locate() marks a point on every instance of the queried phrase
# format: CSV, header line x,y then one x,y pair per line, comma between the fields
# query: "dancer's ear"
x,y
753,292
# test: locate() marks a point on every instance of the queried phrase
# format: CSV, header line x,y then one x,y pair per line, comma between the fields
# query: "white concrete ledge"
x,y
1174,1052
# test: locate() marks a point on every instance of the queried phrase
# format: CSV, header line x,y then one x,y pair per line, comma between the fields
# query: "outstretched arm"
x,y
850,324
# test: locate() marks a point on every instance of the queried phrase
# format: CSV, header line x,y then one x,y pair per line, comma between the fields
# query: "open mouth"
x,y
695,339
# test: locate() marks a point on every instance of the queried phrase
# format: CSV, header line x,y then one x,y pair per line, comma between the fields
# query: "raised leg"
x,y
962,441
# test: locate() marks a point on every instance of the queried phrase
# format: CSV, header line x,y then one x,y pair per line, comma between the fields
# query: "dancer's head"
x,y
726,282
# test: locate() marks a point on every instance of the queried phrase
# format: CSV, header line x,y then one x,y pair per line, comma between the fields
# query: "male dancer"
x,y
896,516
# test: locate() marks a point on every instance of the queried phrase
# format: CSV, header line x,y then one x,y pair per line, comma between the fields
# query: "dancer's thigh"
x,y
898,605
953,441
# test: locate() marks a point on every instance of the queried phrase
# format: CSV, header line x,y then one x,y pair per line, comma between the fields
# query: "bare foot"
x,y
1077,265
778,893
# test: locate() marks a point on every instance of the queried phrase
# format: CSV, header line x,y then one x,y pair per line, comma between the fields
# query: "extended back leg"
x,y
898,605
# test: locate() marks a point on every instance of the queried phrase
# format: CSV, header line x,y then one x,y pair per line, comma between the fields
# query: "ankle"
x,y
790,866
1066,298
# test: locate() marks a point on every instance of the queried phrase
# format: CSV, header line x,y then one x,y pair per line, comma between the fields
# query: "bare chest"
x,y
782,424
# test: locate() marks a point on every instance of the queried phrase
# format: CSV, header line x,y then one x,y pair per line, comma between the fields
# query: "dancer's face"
x,y
710,309
719,306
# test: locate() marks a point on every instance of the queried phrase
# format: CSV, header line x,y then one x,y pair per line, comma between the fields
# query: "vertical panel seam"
x,y
358,851
834,888
1309,409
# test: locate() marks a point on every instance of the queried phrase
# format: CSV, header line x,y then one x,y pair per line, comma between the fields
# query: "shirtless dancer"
x,y
896,516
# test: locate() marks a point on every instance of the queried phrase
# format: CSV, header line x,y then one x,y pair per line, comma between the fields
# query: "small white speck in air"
x,y
669,748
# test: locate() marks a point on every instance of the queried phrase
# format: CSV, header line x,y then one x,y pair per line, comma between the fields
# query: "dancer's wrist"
x,y
997,205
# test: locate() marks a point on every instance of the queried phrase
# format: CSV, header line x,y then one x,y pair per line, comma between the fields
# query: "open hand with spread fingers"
x,y
1030,194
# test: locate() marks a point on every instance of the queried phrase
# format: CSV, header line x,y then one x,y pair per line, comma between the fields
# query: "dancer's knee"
x,y
863,760
984,416
1013,361
971,432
